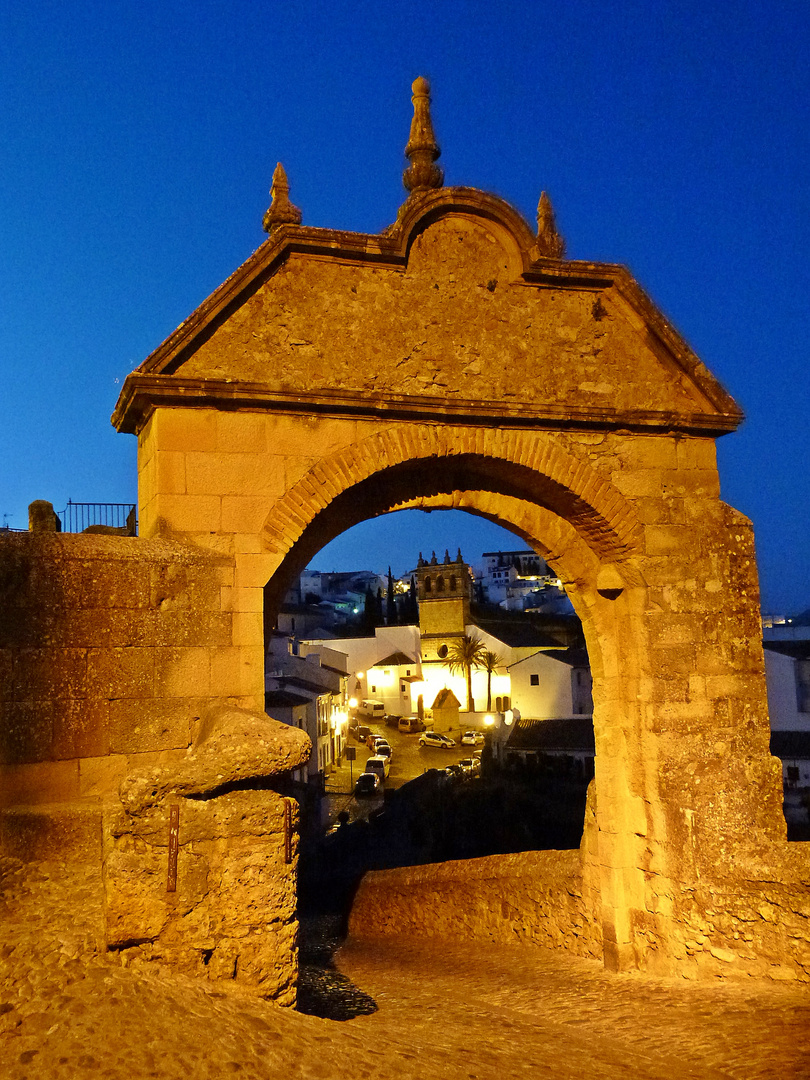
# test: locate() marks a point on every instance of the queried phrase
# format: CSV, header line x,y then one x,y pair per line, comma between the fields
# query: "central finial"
x,y
282,211
549,242
422,149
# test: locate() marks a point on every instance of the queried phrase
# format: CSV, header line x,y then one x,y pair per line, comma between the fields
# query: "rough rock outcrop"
x,y
231,914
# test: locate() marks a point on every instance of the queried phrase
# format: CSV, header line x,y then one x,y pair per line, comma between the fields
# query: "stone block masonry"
x,y
118,703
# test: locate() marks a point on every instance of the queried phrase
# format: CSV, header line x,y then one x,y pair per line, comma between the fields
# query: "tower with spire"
x,y
444,589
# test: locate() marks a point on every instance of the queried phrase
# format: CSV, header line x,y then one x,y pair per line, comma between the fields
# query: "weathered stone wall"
x,y
110,648
120,681
232,915
531,898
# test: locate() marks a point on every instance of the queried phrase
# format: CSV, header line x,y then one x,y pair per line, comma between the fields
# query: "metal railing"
x,y
78,517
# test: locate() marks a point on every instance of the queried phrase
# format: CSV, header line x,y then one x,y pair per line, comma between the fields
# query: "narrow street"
x,y
408,760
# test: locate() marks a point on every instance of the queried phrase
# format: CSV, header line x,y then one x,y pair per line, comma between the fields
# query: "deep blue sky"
x,y
139,141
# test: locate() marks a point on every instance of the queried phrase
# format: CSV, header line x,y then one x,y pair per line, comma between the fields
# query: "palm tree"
x,y
464,654
490,663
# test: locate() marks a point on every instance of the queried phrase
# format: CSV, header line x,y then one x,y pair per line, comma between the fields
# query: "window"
x,y
453,583
374,689
441,652
440,585
428,585
534,680
803,685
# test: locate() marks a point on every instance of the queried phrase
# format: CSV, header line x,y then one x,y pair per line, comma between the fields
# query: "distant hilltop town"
x,y
511,581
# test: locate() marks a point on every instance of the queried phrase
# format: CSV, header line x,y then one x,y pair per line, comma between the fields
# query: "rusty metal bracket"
x,y
174,846
288,830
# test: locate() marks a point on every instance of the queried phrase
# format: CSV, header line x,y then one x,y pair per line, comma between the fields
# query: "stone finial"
x,y
282,211
458,556
42,517
422,149
549,241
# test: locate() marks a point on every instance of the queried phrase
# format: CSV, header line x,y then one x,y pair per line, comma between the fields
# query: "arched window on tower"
x,y
427,584
452,583
440,584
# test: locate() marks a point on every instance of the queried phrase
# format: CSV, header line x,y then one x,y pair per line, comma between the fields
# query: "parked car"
x,y
470,766
372,737
392,719
410,724
434,738
382,748
472,738
379,765
368,783
374,710
454,771
362,732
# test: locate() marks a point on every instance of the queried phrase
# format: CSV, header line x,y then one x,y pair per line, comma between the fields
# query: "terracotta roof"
x,y
519,635
791,744
396,659
563,733
445,699
283,699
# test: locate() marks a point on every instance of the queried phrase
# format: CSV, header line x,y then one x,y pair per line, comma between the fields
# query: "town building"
x,y
787,675
306,686
407,668
519,581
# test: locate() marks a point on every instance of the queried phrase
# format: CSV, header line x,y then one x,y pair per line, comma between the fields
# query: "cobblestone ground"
x,y
443,1011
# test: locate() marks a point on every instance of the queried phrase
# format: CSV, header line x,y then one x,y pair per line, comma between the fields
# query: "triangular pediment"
x,y
450,312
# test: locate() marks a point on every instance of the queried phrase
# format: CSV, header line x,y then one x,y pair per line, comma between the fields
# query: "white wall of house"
x,y
781,673
541,687
392,686
363,653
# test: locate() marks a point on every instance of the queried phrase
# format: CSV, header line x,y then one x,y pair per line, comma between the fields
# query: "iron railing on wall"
x,y
78,517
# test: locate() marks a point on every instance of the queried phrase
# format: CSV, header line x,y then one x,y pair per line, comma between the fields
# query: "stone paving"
x,y
444,1010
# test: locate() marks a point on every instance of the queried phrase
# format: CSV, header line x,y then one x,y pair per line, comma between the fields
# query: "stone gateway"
x,y
457,360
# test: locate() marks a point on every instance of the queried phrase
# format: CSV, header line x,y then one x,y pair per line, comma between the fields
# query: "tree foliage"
x,y
464,654
491,662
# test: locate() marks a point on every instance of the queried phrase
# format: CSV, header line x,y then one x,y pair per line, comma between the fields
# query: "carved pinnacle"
x,y
549,241
422,149
282,211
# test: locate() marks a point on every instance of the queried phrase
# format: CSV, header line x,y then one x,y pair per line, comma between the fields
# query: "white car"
x,y
379,765
433,738
472,738
382,748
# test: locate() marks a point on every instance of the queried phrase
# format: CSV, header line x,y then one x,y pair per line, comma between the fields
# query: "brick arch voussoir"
x,y
600,513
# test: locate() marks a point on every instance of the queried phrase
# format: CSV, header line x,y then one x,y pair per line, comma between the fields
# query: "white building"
x,y
372,670
309,684
553,683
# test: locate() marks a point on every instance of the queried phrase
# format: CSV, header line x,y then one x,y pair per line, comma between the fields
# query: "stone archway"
x,y
451,361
